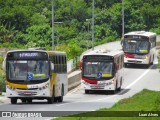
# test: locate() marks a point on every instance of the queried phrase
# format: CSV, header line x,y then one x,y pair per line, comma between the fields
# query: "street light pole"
x,y
87,34
57,34
122,18
52,24
93,25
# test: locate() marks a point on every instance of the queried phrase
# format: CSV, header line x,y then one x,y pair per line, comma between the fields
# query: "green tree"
x,y
38,34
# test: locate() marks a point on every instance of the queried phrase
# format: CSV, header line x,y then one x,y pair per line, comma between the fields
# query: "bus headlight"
x,y
10,87
111,82
141,56
44,87
84,82
144,57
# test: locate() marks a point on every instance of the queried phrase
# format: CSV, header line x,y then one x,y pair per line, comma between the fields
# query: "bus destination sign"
x,y
27,55
97,58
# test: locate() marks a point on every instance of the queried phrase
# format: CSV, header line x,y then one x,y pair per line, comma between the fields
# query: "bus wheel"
x,y
51,99
86,91
125,65
23,100
13,100
29,100
60,98
147,65
152,60
119,89
113,91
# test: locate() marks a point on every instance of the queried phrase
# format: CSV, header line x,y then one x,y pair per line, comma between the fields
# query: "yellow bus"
x,y
36,74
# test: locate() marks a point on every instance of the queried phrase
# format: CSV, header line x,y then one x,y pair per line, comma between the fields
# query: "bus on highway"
x,y
139,48
36,74
102,70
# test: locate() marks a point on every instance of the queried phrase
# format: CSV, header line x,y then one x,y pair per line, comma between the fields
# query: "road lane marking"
x,y
138,78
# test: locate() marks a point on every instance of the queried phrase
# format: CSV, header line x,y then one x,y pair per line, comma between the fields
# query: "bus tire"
x,y
23,100
152,60
86,91
125,65
51,99
119,89
29,100
60,98
113,91
13,100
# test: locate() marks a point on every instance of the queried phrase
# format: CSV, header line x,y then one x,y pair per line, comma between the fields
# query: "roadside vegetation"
x,y
25,24
146,100
2,77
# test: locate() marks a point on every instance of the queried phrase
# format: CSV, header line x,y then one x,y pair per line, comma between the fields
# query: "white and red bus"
x,y
102,70
139,48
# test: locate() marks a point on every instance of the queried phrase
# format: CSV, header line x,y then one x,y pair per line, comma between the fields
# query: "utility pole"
x,y
52,24
122,18
93,25
87,34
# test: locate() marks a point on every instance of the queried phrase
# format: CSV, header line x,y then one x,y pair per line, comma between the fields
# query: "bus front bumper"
x,y
27,93
109,85
135,61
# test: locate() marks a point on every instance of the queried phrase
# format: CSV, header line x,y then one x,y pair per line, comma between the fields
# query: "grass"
x,y
128,109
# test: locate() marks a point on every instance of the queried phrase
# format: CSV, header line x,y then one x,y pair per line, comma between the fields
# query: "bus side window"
x,y
56,64
65,64
60,64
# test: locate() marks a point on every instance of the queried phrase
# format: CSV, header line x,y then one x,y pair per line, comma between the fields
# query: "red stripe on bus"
x,y
129,55
90,81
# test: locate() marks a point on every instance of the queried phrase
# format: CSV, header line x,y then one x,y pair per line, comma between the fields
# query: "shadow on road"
x,y
138,66
123,91
36,102
104,92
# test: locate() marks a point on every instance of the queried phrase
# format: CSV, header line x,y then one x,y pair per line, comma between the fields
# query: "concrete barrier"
x,y
74,79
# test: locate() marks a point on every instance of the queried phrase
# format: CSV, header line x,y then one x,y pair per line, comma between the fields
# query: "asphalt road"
x,y
136,79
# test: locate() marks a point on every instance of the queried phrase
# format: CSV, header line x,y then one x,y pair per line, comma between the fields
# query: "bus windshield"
x,y
98,69
135,46
28,70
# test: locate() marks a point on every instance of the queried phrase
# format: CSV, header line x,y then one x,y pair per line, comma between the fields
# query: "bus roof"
x,y
105,52
24,51
49,52
141,33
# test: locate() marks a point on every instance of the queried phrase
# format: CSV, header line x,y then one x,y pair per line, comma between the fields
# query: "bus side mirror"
x,y
4,65
80,64
52,66
122,41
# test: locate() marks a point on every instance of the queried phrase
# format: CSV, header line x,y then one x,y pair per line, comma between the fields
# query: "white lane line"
x,y
139,78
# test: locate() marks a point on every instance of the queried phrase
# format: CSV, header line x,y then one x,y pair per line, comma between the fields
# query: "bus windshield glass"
x,y
28,70
98,69
136,46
